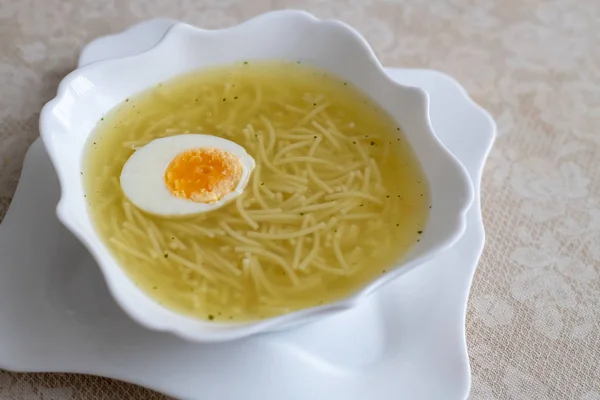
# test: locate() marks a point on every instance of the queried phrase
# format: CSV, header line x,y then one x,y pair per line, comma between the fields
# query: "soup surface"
x,y
336,198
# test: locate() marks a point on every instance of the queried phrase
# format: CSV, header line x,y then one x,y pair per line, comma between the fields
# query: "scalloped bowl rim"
x,y
195,329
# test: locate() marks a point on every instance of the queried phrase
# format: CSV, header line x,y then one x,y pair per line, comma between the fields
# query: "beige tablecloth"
x,y
533,325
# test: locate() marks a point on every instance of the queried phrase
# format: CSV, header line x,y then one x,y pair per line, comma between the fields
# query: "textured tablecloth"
x,y
533,325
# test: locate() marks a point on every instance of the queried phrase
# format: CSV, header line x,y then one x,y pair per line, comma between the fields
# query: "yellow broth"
x,y
303,233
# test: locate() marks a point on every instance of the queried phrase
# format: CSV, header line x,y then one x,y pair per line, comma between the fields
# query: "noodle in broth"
x,y
336,198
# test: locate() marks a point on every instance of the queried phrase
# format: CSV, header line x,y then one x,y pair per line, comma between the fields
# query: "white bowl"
x,y
89,92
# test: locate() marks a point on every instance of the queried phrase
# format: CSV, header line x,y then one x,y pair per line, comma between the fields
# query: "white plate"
x,y
405,342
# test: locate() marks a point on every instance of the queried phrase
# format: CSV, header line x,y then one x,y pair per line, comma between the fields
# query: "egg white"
x,y
143,175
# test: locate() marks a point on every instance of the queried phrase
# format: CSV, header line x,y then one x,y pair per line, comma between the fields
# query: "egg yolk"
x,y
203,175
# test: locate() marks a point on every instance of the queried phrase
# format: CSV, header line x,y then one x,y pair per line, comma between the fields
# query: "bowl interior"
x,y
90,92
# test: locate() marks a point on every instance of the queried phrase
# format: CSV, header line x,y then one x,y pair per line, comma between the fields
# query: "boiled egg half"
x,y
186,174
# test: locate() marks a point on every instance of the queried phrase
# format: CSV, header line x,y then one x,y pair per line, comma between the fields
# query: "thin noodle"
x,y
237,235
362,153
307,131
129,250
332,223
231,120
349,179
313,253
139,217
327,134
179,244
128,213
376,172
134,229
233,220
278,179
334,130
260,277
154,242
203,271
307,159
271,131
338,271
289,188
311,115
352,235
318,181
295,137
294,109
290,147
295,198
275,247
273,257
157,233
255,188
287,235
106,203
355,194
257,101
265,211
281,218
315,197
194,229
244,214
314,146
263,154
222,262
299,244
315,207
164,121
268,192
386,153
366,179
338,252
